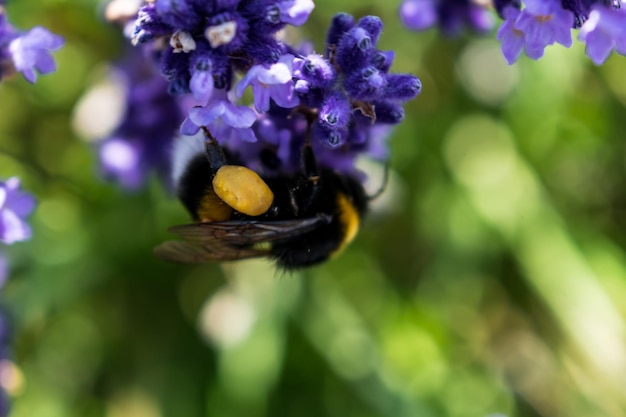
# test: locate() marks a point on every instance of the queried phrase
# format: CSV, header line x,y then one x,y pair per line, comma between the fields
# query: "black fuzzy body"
x,y
295,197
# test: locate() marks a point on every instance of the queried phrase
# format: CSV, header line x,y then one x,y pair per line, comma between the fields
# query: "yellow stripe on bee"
x,y
349,220
243,190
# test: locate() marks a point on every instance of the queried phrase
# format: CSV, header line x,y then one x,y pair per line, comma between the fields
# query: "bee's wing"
x,y
237,232
182,251
231,240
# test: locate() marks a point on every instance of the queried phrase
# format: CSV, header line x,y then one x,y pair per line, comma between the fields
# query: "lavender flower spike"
x,y
15,205
31,52
273,81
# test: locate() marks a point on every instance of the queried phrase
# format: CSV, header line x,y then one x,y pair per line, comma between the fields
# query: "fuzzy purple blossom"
x,y
334,100
26,52
202,44
347,96
352,77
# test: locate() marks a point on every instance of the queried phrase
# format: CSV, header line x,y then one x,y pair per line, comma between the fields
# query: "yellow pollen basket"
x,y
243,190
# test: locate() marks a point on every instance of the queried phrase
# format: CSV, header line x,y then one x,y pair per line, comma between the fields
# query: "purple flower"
x,y
206,42
351,103
450,15
512,39
543,23
121,159
223,119
529,25
357,81
31,52
418,14
604,31
27,52
295,12
201,46
142,141
273,81
15,205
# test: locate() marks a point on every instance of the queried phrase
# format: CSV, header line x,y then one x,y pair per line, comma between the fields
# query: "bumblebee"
x,y
297,220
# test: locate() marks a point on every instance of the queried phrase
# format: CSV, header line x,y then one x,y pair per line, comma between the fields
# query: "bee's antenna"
x,y
308,160
383,186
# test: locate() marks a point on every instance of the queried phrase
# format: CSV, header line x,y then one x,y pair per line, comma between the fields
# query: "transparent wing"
x,y
181,251
247,232
231,240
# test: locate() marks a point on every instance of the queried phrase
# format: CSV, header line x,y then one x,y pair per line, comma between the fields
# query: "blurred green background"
x,y
490,279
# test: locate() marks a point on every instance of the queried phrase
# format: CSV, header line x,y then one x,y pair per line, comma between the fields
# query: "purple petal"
x,y
17,201
604,30
204,116
41,38
189,128
295,12
45,63
30,75
238,116
511,38
418,14
12,228
221,131
284,95
534,52
246,135
599,47
248,79
201,85
620,45
122,160
261,97
278,73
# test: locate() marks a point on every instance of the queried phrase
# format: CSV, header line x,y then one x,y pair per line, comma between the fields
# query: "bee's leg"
x,y
310,170
214,152
309,162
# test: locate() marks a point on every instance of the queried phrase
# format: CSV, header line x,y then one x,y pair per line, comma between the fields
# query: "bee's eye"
x,y
243,190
